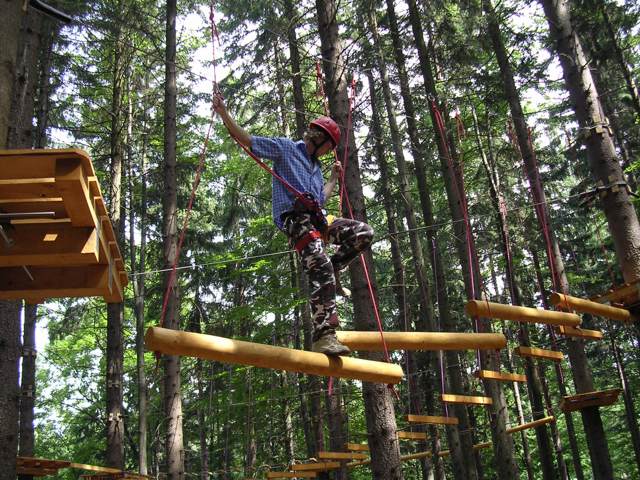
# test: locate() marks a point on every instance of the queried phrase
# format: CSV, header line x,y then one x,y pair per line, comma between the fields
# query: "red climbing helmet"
x,y
328,126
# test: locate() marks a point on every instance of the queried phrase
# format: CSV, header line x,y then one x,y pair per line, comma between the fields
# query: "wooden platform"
x,y
540,353
481,308
432,420
580,333
227,350
500,376
53,212
292,474
342,456
466,399
403,435
587,306
627,294
39,467
592,399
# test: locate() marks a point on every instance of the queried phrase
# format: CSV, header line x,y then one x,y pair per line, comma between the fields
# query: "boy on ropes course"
x,y
300,216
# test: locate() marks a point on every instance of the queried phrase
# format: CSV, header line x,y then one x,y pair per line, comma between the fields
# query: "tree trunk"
x,y
631,417
605,168
379,411
296,75
172,393
28,383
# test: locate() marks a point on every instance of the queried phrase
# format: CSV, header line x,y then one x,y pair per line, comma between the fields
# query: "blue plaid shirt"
x,y
292,162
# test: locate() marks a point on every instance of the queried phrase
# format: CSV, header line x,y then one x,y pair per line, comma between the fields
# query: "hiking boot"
x,y
340,290
329,345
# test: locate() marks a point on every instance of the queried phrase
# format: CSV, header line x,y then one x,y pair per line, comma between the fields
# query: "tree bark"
x,y
379,411
28,384
174,453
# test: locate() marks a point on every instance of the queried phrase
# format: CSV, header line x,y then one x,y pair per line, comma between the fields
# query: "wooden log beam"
x,y
466,399
357,447
292,474
534,424
372,342
342,456
539,353
628,293
500,376
403,435
481,308
71,183
432,420
226,350
51,245
315,466
587,306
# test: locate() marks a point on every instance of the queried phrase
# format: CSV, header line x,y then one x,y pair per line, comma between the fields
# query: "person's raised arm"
x,y
333,179
234,129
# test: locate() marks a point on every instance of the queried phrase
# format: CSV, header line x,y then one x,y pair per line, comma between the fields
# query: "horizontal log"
x,y
466,399
481,308
534,424
501,376
371,341
539,353
587,306
580,333
226,350
292,474
627,293
357,447
434,420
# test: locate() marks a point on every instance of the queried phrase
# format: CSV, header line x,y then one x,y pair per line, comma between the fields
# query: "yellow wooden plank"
x,y
539,353
292,474
71,182
30,205
357,447
95,468
25,163
465,399
315,466
580,333
342,456
28,188
591,399
227,350
431,419
486,309
501,376
627,294
587,306
402,435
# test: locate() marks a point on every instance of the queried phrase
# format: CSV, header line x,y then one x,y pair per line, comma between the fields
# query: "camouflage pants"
x,y
351,237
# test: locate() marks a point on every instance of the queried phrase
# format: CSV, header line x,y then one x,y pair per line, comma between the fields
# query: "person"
x,y
298,163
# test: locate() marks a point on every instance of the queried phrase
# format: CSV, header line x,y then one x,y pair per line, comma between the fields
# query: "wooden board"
x,y
357,447
292,474
465,399
591,399
39,467
628,294
315,466
430,419
402,435
500,376
580,333
534,424
539,353
342,456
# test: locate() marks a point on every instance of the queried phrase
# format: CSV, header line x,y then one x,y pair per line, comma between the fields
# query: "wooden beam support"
x,y
539,353
315,466
500,376
342,456
51,245
371,341
466,399
627,294
481,308
226,350
587,306
71,183
580,333
534,424
403,435
591,399
21,188
30,205
432,420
